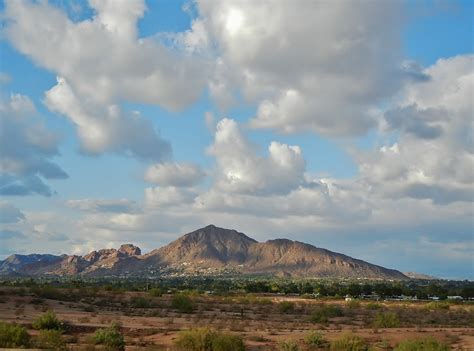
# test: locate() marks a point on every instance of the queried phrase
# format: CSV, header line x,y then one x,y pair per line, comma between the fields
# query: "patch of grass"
x,y
314,339
51,339
182,303
205,339
322,314
48,321
436,306
13,336
386,320
288,345
155,292
426,344
140,302
374,306
286,307
110,338
349,342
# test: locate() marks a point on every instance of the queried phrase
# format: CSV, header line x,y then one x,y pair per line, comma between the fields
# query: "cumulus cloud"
x,y
309,65
107,128
241,170
102,205
26,149
9,213
434,154
101,61
174,174
169,196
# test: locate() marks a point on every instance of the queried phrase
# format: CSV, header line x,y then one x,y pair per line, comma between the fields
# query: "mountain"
x,y
210,251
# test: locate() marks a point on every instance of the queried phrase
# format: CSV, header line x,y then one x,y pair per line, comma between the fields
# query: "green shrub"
x,y
110,338
426,344
155,292
353,304
386,320
314,339
374,306
12,335
349,343
436,305
51,339
49,321
205,339
286,306
288,345
322,314
227,342
140,302
182,303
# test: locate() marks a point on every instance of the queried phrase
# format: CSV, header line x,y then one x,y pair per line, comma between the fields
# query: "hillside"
x,y
209,250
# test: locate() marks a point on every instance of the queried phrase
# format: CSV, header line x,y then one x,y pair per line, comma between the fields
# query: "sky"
x,y
344,124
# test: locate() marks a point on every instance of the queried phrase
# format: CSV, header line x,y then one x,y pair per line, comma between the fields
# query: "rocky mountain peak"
x,y
130,250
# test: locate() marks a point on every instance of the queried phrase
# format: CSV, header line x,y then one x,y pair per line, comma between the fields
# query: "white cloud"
x,y
9,213
101,62
174,174
241,170
103,205
107,128
26,149
309,65
434,155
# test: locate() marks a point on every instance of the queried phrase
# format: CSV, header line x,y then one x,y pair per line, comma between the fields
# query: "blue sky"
x,y
332,131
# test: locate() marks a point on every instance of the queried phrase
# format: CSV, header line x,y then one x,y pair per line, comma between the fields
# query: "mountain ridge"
x,y
210,251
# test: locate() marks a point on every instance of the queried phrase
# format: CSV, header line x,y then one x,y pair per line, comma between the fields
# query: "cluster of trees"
x,y
321,287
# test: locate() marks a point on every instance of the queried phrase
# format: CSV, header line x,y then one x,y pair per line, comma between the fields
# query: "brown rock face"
x,y
130,250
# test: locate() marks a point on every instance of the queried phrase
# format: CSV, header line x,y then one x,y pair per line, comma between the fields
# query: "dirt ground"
x,y
260,320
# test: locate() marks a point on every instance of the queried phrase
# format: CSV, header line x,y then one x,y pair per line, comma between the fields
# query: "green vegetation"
x,y
155,292
426,344
314,339
436,305
182,303
288,345
140,302
321,314
349,343
110,338
51,339
286,306
386,320
13,336
205,339
48,321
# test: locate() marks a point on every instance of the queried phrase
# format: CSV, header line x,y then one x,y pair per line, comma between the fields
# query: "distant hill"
x,y
209,251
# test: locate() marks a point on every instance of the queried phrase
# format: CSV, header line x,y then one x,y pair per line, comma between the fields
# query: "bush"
x,y
386,320
314,339
349,343
286,306
205,339
48,321
12,335
140,302
110,338
182,303
353,304
227,342
374,306
288,345
51,339
436,305
155,292
427,344
323,313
